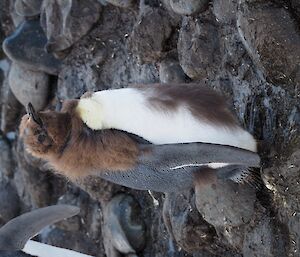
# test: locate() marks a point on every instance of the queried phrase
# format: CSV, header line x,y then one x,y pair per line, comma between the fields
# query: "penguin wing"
x,y
15,233
176,156
169,168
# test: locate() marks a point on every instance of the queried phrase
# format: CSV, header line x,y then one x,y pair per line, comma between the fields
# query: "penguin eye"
x,y
41,138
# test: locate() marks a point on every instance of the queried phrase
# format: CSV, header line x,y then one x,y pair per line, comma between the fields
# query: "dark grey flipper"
x,y
15,233
169,168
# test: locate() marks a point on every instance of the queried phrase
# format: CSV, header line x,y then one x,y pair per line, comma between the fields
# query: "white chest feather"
x,y
128,110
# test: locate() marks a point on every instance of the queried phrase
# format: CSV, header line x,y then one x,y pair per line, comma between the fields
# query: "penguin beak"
x,y
32,113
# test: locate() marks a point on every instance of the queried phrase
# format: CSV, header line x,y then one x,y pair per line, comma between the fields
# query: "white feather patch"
x,y
127,109
212,165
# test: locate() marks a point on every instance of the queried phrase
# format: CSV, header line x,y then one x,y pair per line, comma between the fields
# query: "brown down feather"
x,y
73,149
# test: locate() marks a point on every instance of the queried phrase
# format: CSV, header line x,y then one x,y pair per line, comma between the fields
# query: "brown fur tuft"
x,y
205,176
72,148
203,102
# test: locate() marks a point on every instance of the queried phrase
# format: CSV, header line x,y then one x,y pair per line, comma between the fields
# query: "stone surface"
x,y
296,7
10,110
225,11
198,47
271,37
9,202
170,71
77,241
149,35
284,182
122,3
26,46
73,19
28,8
6,164
225,203
263,240
124,227
189,7
186,225
29,86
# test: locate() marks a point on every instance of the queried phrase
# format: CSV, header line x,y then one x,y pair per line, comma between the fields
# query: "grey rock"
x,y
28,8
198,47
170,71
122,3
26,46
9,202
189,7
125,227
99,189
149,35
77,241
225,203
7,14
6,165
10,110
283,181
1,51
296,7
17,19
225,11
29,86
73,19
271,38
186,225
264,240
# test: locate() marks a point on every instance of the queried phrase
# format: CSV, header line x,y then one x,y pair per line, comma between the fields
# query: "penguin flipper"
x,y
15,234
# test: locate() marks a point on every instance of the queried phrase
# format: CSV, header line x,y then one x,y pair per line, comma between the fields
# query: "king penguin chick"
x,y
189,127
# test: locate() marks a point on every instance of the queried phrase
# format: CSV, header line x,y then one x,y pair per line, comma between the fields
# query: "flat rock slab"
x,y
272,39
26,46
225,203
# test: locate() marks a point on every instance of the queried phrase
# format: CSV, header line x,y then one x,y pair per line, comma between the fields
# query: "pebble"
x,y
29,86
73,20
189,7
26,46
170,71
28,8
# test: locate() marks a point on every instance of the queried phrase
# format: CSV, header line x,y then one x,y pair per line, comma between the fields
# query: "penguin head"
x,y
44,132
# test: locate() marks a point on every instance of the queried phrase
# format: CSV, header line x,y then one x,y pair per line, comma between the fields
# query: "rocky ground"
x,y
247,49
